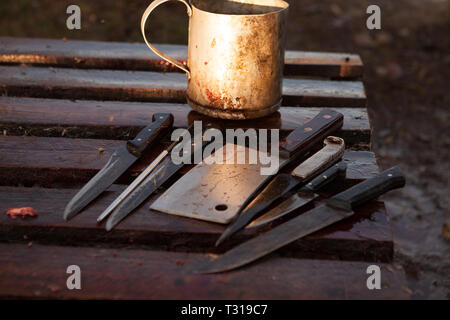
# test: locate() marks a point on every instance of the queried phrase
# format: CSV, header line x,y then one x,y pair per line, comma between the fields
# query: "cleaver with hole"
x,y
218,192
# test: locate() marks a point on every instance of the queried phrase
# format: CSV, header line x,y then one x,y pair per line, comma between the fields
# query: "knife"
x,y
301,198
335,209
219,192
119,162
160,174
125,193
284,183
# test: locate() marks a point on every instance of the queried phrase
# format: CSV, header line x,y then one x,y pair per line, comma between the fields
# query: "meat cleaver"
x,y
217,192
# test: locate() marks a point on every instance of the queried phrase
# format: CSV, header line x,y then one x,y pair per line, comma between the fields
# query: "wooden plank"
x,y
40,272
364,237
48,161
136,56
319,93
323,64
120,120
157,87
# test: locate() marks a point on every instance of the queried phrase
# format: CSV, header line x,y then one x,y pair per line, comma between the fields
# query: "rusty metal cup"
x,y
235,56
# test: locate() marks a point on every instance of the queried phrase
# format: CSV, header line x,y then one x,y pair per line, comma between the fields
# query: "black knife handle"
x,y
326,177
368,189
324,124
161,123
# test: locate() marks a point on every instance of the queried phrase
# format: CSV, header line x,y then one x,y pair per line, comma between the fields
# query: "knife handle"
x,y
161,123
326,177
332,151
368,189
322,125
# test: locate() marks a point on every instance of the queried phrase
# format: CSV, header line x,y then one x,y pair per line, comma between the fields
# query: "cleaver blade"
x,y
212,192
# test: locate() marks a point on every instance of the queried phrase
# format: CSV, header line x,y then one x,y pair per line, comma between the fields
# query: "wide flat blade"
x,y
292,203
213,192
154,180
119,162
276,238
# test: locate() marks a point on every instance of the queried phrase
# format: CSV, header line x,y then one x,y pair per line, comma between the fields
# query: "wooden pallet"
x,y
63,100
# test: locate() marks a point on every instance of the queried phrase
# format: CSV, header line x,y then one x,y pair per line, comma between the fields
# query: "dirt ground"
x,y
406,65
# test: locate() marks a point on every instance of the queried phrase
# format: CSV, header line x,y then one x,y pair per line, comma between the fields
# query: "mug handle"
x,y
145,16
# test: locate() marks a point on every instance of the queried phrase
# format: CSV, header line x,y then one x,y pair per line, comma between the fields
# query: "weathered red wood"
x,y
116,120
47,161
365,237
157,87
40,272
133,56
136,273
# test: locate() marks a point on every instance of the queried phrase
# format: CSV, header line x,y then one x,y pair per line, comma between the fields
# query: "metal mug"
x,y
235,56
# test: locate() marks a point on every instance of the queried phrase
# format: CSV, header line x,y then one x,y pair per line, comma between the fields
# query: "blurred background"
x,y
407,64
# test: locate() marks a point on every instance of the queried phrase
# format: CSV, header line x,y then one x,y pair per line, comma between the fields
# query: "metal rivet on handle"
x,y
327,116
390,175
307,129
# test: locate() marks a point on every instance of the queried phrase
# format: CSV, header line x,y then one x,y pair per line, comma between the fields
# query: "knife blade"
x,y
218,192
118,163
301,198
335,209
160,174
125,193
284,183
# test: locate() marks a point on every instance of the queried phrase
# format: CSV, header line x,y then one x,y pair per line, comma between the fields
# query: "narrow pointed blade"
x,y
276,238
159,175
289,205
119,162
